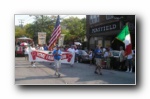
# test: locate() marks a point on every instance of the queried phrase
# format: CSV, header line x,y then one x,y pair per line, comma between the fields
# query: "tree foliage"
x,y
75,28
72,27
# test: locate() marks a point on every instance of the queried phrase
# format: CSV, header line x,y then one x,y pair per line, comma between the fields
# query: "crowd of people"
x,y
101,55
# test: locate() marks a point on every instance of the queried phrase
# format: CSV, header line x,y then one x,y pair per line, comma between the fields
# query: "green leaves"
x,y
72,27
75,29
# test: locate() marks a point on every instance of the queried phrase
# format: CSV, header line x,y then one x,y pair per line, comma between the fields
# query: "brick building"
x,y
102,30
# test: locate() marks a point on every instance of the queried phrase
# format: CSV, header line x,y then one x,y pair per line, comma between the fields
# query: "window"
x,y
108,17
94,19
91,40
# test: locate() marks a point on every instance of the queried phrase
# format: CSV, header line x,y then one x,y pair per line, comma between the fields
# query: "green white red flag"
x,y
125,37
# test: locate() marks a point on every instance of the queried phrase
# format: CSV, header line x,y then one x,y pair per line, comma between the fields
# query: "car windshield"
x,y
82,52
115,53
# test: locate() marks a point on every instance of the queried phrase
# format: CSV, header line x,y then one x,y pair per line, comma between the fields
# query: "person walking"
x,y
57,60
98,56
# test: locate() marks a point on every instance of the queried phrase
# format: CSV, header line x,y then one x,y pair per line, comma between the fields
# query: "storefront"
x,y
103,35
103,29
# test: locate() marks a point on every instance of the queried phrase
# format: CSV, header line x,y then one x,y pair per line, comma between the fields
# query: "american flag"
x,y
55,35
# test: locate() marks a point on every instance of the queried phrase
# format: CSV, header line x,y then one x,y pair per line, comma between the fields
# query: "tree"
x,y
75,30
19,32
42,23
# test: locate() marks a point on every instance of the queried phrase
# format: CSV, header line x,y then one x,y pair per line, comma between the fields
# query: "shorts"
x,y
98,61
57,63
90,58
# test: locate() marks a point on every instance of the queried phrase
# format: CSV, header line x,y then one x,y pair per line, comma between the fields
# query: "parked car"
x,y
83,56
115,53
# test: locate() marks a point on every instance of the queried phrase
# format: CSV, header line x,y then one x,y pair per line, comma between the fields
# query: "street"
x,y
79,74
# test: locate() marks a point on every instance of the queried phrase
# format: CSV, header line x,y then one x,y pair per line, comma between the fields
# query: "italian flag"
x,y
124,36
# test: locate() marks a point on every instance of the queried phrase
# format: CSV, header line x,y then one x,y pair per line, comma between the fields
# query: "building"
x,y
102,30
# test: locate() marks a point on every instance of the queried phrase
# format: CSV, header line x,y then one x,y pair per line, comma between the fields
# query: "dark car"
x,y
83,56
115,60
115,53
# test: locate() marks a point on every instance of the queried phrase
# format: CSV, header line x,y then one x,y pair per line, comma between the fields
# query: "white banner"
x,y
41,38
40,56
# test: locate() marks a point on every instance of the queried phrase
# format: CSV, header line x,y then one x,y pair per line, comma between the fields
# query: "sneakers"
x,y
131,70
58,75
55,74
33,65
127,70
96,72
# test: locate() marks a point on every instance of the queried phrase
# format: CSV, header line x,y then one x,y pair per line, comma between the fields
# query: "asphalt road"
x,y
79,74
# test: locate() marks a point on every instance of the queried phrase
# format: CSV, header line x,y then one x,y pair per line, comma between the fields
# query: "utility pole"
x,y
21,23
42,23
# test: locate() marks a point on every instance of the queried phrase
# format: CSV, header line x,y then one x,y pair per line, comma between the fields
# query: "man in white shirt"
x,y
71,49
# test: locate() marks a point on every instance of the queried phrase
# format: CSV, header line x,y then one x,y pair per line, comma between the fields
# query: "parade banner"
x,y
40,56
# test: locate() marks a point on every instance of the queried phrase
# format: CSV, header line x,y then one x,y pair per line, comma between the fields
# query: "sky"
x,y
25,19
